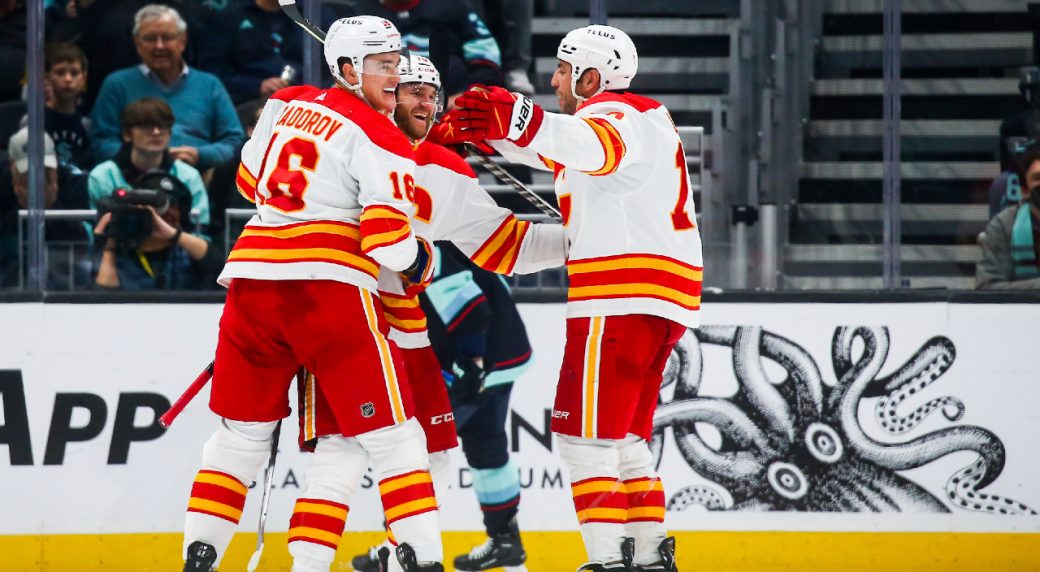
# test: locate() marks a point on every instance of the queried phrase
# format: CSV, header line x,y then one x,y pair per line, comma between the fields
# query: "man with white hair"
x,y
207,131
634,270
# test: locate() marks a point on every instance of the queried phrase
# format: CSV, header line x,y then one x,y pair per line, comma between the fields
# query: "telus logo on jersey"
x,y
309,121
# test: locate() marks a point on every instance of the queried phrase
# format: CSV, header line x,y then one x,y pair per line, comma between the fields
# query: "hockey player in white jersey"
x,y
635,277
450,205
324,168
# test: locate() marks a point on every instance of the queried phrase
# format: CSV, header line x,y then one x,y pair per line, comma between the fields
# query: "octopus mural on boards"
x,y
798,445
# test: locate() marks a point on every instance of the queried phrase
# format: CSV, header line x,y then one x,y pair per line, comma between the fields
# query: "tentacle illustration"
x,y
963,486
696,495
927,365
747,363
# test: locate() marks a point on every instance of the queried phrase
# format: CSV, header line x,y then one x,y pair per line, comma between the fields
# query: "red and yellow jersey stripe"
x,y
635,276
600,499
646,502
407,495
383,226
610,140
318,521
218,494
246,183
403,312
332,242
501,250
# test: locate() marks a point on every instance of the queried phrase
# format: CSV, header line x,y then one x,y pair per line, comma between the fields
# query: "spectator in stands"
x,y
65,74
103,28
12,48
207,131
146,125
64,188
166,258
253,48
472,52
1024,124
510,22
1011,242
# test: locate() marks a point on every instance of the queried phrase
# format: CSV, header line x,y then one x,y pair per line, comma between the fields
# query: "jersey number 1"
x,y
680,218
287,183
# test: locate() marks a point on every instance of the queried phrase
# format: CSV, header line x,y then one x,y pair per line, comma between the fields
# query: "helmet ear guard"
x,y
606,49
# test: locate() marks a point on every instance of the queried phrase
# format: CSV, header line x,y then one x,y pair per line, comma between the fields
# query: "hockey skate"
x,y
628,551
375,560
409,562
501,550
201,557
667,561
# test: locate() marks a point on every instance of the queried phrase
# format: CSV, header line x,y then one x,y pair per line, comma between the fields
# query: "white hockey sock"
x,y
402,466
646,501
599,496
230,460
332,478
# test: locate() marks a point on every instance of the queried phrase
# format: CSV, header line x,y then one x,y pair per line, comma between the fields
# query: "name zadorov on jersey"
x,y
309,121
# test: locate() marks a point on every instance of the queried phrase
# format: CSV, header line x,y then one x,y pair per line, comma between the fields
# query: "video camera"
x,y
131,222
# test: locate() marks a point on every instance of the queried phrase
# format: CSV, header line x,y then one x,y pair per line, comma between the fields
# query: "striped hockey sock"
x,y
410,509
646,507
214,509
498,491
602,508
315,529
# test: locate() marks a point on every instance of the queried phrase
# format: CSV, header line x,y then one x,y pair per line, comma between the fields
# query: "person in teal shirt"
x,y
207,132
146,126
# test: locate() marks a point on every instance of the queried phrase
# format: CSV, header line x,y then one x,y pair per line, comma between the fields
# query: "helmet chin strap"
x,y
574,86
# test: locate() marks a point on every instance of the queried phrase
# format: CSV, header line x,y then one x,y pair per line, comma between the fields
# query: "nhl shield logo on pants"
x,y
368,409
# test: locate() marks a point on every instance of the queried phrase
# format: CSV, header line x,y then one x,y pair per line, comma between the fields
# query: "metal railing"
x,y
86,216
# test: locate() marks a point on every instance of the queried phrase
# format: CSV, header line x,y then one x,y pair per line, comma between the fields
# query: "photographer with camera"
x,y
140,244
146,125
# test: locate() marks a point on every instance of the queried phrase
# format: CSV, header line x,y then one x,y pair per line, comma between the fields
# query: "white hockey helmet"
x,y
355,38
604,48
419,69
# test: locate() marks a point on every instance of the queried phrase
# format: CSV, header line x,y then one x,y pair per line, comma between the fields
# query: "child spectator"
x,y
65,73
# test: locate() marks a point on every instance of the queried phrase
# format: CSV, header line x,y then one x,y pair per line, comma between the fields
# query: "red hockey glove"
x,y
450,131
494,113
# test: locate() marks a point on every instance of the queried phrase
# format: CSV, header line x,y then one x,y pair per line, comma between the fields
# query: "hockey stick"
x,y
291,10
196,386
254,560
506,177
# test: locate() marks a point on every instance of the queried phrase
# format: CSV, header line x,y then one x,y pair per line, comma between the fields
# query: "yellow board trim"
x,y
563,551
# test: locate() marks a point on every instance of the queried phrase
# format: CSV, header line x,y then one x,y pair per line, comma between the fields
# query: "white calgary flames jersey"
x,y
327,173
623,188
450,205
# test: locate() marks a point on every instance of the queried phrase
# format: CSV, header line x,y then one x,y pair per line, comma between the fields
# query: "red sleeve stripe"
x,y
318,521
403,313
246,183
500,252
383,226
613,146
325,241
635,276
218,494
